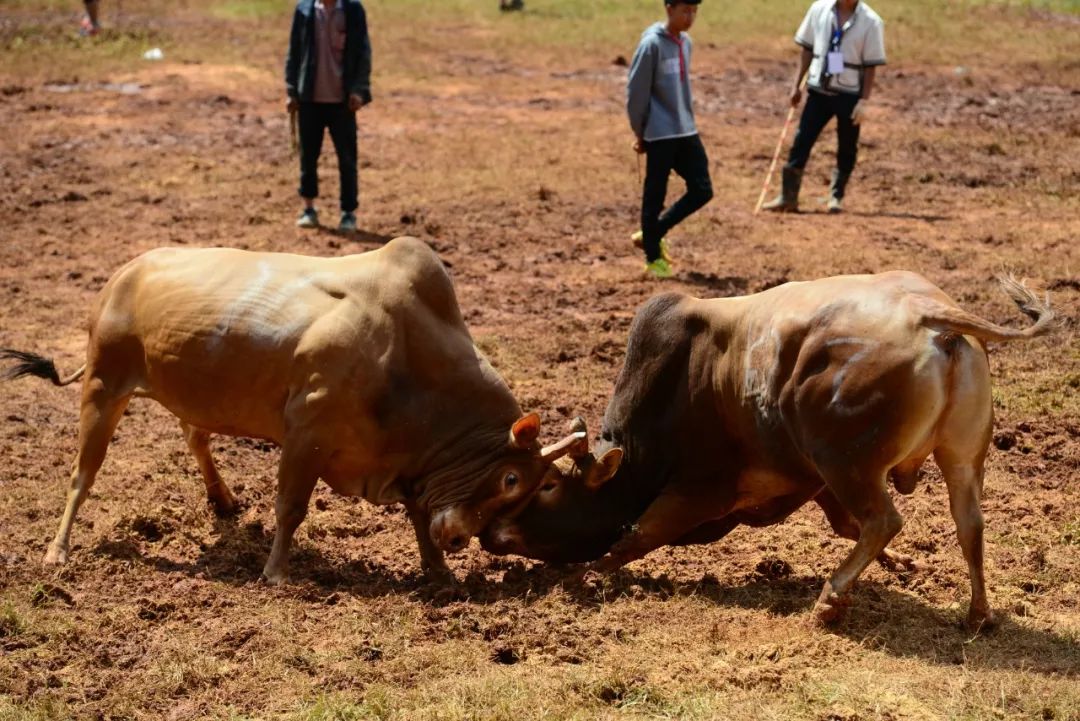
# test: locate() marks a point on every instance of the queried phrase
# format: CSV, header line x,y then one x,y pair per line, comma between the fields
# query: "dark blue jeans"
x,y
686,156
314,118
820,108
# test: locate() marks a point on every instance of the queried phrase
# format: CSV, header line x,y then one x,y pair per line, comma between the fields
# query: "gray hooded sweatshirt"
x,y
658,90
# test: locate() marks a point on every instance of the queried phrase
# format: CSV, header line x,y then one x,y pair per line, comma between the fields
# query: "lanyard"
x,y
838,30
682,63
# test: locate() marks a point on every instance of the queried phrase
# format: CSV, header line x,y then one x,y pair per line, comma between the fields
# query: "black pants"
x,y
820,108
686,156
313,119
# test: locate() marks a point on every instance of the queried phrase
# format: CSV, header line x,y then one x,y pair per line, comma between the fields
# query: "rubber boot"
x,y
836,191
788,200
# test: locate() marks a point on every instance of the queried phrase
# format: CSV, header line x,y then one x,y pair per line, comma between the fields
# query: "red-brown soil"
x,y
520,175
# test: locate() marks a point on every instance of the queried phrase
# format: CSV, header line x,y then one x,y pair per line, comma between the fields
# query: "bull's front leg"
x,y
669,518
847,527
297,476
862,494
432,562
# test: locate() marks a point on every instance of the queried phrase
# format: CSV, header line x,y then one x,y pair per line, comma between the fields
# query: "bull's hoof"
x,y
55,556
897,562
979,620
445,593
440,576
830,608
275,576
587,581
574,580
226,507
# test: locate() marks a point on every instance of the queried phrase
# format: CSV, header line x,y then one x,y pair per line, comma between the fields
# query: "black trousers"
x,y
686,156
820,108
314,118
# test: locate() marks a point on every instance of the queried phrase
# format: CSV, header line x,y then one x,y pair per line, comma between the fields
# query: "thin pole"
x,y
775,157
294,138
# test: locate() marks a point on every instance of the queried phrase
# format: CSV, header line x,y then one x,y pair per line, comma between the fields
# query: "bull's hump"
x,y
216,298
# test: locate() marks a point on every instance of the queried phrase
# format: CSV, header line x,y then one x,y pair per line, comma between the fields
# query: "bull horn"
x,y
548,454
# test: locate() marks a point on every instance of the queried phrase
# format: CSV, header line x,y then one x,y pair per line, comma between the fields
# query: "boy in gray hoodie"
x,y
661,113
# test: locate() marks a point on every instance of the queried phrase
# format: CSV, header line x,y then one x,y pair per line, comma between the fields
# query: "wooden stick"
x,y
775,157
294,138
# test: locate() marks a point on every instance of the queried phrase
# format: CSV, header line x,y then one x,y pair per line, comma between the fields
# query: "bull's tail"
x,y
31,364
948,319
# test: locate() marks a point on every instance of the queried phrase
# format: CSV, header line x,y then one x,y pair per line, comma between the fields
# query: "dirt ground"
x,y
515,166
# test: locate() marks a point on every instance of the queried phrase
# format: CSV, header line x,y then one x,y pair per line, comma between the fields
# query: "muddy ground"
x,y
517,170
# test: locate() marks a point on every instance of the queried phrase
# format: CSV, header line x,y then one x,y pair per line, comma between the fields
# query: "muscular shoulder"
x,y
662,326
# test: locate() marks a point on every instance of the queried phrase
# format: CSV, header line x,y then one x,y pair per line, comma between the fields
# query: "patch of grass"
x,y
186,670
627,692
1070,533
967,33
11,623
250,9
40,709
373,706
925,31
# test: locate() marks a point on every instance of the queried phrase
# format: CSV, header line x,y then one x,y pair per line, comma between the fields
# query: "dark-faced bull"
x,y
740,410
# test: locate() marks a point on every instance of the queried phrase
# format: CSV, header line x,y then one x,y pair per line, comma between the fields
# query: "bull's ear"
x,y
525,431
577,425
602,471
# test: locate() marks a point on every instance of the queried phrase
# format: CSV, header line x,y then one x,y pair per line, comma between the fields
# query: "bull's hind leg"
x,y
965,480
864,496
217,492
965,437
99,416
847,527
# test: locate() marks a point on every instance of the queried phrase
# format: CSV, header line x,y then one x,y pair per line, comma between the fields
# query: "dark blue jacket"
x,y
300,62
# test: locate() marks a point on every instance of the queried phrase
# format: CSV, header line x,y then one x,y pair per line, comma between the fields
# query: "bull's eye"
x,y
548,487
511,480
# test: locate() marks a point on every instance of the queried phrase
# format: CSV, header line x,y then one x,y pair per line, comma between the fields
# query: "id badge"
x,y
834,62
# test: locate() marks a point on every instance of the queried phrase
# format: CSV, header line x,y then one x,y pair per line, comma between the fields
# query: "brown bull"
x,y
740,410
360,368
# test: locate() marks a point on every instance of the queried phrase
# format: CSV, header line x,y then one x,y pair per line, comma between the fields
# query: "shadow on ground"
x,y
881,617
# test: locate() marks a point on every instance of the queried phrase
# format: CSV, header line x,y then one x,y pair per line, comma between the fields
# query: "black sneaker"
x,y
308,219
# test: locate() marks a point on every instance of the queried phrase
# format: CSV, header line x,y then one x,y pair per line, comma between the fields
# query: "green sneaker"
x,y
308,219
659,269
639,242
348,222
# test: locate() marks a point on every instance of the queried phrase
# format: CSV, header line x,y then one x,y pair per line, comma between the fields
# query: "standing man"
x,y
843,42
661,113
328,78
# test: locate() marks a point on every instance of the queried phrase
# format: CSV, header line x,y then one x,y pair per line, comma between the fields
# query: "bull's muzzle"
x,y
501,539
450,531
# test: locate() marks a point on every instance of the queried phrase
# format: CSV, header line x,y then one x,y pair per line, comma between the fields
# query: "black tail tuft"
x,y
28,364
1029,304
